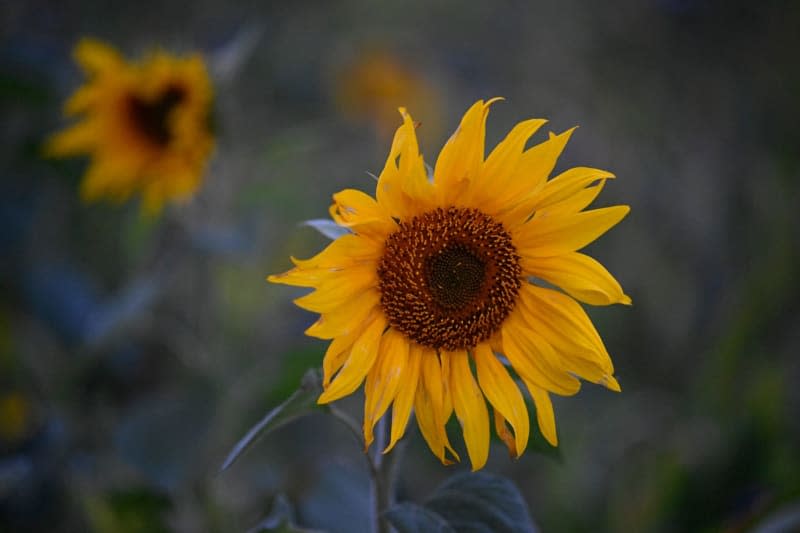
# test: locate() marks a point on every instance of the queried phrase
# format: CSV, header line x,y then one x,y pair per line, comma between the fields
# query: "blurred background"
x,y
135,351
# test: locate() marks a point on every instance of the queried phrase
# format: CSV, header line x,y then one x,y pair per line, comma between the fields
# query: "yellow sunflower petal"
x,y
95,56
563,323
339,350
533,357
500,167
505,434
575,203
530,177
502,393
545,237
339,290
358,210
544,413
383,380
470,408
404,400
81,100
403,188
432,408
567,184
345,318
78,139
344,251
462,155
304,277
578,275
362,357
389,190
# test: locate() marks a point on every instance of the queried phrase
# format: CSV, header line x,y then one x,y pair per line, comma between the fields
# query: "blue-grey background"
x,y
134,352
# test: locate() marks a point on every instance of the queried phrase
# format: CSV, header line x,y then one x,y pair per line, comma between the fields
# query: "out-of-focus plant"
x,y
373,84
144,124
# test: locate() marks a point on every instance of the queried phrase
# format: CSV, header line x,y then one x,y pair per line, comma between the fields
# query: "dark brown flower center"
x,y
151,117
449,278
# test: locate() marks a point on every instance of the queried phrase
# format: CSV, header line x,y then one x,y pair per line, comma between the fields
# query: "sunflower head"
x,y
144,125
449,291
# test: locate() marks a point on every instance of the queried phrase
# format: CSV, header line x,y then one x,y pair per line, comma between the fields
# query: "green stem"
x,y
381,483
382,468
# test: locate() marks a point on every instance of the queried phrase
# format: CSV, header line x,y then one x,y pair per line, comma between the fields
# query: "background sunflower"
x,y
134,351
144,125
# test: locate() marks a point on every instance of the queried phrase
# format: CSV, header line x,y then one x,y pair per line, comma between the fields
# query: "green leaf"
x,y
470,502
409,517
302,402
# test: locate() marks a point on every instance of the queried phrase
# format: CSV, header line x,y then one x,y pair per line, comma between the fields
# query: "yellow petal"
x,y
403,188
362,357
345,318
546,237
95,56
505,434
578,275
563,323
544,413
78,139
339,290
462,156
346,250
500,167
575,203
502,393
81,100
431,408
532,357
401,409
383,380
566,185
359,211
339,350
470,408
530,176
305,277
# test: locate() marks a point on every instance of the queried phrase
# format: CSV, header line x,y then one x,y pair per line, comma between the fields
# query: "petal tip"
x,y
611,383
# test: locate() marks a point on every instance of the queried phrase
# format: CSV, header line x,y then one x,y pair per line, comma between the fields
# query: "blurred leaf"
x,y
784,520
340,499
226,61
122,309
328,228
281,519
302,402
228,240
474,502
162,436
18,91
129,511
292,369
409,517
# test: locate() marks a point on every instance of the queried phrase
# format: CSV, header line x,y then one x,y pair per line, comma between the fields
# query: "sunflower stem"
x,y
380,490
382,468
382,479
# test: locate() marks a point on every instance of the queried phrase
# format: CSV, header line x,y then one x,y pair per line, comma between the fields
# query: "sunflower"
x,y
145,125
446,287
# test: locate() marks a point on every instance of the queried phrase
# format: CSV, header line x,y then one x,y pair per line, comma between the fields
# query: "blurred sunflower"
x,y
145,125
372,86
437,277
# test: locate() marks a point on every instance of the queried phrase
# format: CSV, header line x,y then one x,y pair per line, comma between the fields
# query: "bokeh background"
x,y
135,351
